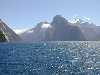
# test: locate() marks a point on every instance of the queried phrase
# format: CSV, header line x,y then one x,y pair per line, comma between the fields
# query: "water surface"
x,y
50,58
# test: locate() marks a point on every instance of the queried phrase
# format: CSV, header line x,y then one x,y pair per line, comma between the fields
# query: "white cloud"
x,y
19,31
87,18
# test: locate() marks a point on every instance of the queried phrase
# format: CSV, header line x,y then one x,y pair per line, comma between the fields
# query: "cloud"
x,y
87,18
19,31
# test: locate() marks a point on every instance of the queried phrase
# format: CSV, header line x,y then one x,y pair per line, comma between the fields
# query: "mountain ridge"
x,y
56,31
8,33
59,29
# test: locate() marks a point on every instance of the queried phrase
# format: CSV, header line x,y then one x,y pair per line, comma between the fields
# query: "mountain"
x,y
90,31
65,31
36,34
8,33
58,30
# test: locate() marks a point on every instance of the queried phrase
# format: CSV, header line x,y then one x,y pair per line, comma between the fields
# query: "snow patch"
x,y
73,21
46,26
81,19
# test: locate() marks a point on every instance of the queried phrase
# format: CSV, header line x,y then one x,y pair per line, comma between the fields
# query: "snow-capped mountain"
x,y
79,19
90,31
65,31
36,34
9,34
59,30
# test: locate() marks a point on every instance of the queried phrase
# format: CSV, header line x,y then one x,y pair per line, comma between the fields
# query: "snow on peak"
x,y
46,26
79,19
74,20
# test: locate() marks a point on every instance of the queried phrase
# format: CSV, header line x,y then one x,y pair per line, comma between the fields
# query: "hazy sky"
x,y
27,13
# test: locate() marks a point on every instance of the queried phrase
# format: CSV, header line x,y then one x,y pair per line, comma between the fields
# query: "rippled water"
x,y
50,58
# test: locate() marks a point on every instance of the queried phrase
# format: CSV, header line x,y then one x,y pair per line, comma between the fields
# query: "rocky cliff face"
x,y
9,34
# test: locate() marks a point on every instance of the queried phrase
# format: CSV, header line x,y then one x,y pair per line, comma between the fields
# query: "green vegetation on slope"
x,y
2,37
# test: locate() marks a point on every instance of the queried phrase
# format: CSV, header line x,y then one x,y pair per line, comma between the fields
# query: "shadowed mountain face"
x,y
65,31
90,31
59,30
8,34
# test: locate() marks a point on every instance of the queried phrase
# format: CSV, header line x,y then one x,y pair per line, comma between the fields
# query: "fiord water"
x,y
50,58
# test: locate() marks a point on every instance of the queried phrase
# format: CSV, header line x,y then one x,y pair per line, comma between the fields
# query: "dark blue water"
x,y
50,58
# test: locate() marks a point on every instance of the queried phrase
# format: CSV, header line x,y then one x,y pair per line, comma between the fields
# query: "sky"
x,y
24,14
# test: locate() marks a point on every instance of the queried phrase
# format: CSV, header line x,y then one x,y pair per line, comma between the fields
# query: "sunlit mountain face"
x,y
7,34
